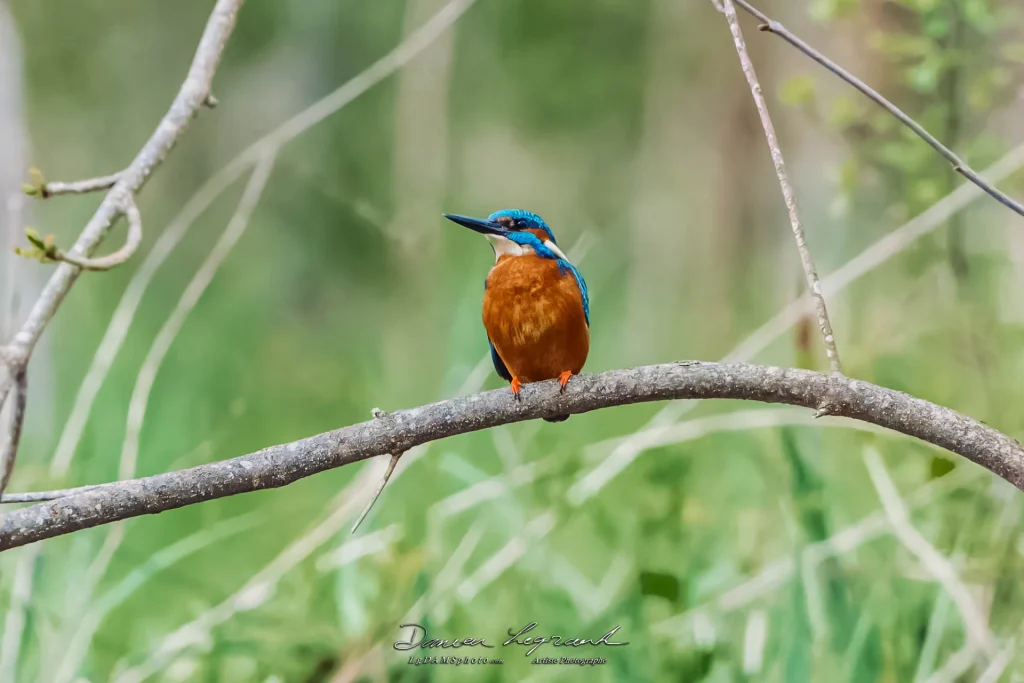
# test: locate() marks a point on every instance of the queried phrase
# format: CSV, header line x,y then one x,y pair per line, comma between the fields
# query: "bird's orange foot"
x,y
516,386
563,379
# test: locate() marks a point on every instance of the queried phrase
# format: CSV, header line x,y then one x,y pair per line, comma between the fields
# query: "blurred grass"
x,y
624,121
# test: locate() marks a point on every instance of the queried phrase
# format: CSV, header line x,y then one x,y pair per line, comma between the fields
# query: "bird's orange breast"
x,y
533,314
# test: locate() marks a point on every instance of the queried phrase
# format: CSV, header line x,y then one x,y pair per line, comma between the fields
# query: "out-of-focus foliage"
x,y
629,127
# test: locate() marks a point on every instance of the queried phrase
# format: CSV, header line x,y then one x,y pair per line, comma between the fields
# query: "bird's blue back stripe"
x,y
499,364
563,266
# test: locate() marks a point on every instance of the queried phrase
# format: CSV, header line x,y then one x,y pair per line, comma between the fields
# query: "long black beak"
x,y
481,226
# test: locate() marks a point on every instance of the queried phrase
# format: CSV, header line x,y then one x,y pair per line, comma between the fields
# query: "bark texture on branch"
x,y
396,432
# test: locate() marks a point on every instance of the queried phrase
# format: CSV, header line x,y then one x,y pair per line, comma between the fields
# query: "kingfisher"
x,y
536,310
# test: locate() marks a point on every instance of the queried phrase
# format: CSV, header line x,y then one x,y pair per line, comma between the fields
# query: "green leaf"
x,y
797,91
35,238
849,175
1013,52
826,10
901,45
941,467
978,15
845,111
924,77
926,192
660,584
937,26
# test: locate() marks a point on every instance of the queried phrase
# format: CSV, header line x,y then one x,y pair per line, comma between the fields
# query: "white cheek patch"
x,y
554,247
503,246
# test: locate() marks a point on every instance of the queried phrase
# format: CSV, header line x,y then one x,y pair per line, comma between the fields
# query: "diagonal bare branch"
x,y
193,93
188,101
9,448
402,430
811,273
769,25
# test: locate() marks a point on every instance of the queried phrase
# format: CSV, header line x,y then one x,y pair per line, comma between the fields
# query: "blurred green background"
x,y
740,542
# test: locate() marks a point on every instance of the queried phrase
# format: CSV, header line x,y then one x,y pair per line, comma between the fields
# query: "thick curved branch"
x,y
9,448
398,432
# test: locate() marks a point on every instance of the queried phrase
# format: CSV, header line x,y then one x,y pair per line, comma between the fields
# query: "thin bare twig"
x,y
811,273
9,449
42,496
934,562
769,25
380,488
40,188
117,330
134,218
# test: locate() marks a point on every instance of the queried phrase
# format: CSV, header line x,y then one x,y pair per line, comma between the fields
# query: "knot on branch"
x,y
825,409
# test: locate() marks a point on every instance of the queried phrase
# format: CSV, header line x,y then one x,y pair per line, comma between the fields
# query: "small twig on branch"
x,y
787,191
131,212
43,496
769,25
281,465
44,190
9,449
380,488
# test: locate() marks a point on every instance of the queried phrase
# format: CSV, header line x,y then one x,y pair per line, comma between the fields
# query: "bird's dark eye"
x,y
514,224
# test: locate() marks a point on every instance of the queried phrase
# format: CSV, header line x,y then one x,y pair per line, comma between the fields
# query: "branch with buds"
x,y
119,201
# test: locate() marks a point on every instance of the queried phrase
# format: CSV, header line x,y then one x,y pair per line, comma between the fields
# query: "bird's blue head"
x,y
514,232
521,219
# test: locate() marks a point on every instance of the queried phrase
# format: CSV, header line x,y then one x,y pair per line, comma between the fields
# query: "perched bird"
x,y
536,309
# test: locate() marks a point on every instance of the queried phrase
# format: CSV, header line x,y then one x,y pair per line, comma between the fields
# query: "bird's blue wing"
x,y
499,364
563,266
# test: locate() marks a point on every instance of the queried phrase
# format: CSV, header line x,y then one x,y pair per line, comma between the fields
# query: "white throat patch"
x,y
503,246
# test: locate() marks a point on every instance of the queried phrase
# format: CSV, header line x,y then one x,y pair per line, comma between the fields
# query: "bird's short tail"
x,y
557,418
